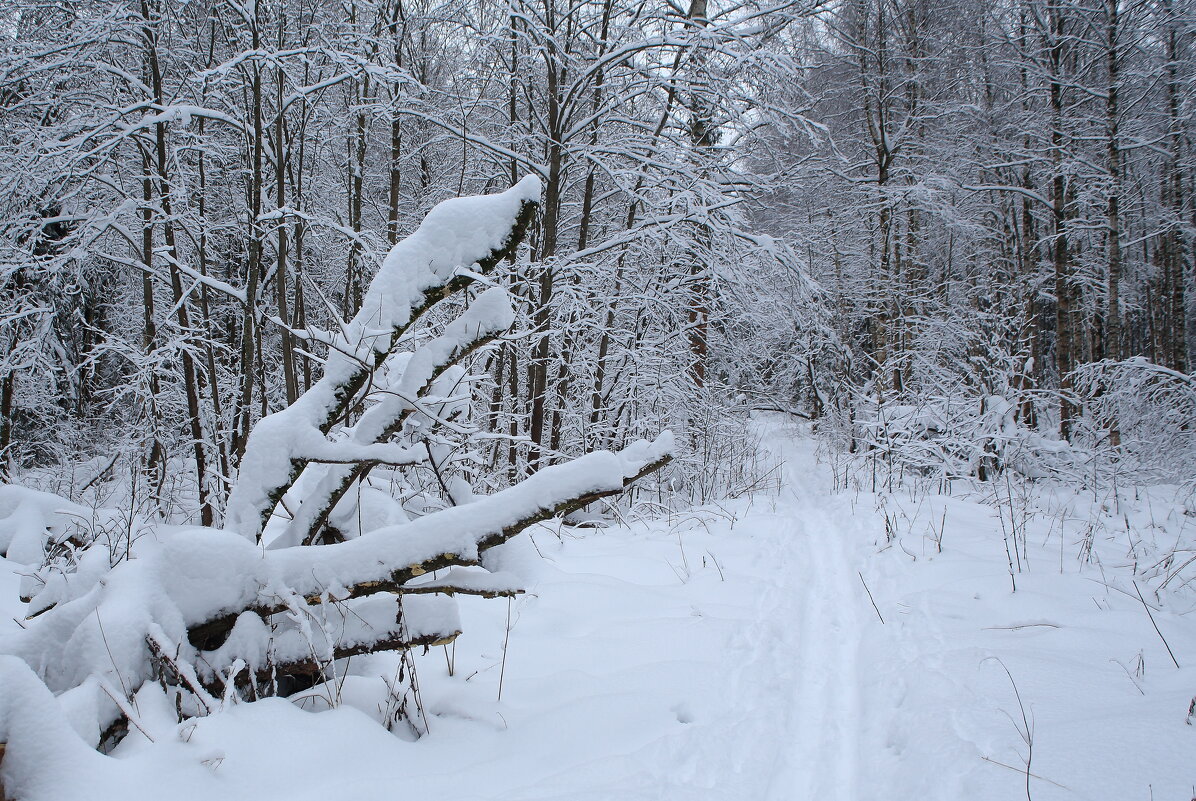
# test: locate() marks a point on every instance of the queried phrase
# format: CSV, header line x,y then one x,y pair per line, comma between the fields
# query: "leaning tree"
x,y
333,544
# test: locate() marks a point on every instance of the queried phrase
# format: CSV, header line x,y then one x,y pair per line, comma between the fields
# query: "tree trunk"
x,y
8,386
193,379
1065,335
550,223
281,289
1174,350
703,137
250,334
1113,344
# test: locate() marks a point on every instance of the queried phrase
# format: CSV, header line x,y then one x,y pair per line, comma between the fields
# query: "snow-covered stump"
x,y
307,572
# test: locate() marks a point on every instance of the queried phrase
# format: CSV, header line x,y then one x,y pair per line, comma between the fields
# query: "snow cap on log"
x,y
457,234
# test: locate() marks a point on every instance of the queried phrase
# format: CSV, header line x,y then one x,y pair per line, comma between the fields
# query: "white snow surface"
x,y
724,654
29,517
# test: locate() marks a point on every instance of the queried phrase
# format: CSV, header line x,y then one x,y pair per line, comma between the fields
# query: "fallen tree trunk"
x,y
208,612
373,577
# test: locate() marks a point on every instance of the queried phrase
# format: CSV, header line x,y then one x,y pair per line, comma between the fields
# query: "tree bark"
x,y
1113,343
1065,335
1173,329
193,379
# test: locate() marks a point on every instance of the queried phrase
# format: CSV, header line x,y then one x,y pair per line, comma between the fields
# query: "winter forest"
x,y
591,399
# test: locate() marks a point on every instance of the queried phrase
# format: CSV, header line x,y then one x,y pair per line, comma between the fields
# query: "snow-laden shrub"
x,y
1145,414
954,437
946,436
1134,424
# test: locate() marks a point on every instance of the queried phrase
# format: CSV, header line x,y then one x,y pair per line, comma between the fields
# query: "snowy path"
x,y
817,652
921,706
734,655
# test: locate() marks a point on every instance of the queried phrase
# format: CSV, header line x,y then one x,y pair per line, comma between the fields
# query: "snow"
x,y
456,233
459,530
42,749
29,517
728,653
454,236
471,580
489,314
366,621
95,636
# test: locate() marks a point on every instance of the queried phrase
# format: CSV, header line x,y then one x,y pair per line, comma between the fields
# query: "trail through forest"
x,y
598,400
818,641
734,652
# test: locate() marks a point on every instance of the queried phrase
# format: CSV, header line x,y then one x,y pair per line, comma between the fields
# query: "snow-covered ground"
x,y
735,653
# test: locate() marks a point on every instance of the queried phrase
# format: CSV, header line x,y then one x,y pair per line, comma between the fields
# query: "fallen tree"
x,y
316,562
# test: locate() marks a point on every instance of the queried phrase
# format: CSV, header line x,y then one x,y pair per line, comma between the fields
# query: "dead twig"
x,y
1020,771
1156,625
870,598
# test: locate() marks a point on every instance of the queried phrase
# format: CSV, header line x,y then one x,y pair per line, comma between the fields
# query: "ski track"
x,y
816,615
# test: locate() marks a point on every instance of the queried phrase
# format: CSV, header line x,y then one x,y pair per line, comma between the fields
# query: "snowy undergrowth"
x,y
1034,627
734,653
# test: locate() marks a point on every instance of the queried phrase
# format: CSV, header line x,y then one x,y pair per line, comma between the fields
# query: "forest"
x,y
314,315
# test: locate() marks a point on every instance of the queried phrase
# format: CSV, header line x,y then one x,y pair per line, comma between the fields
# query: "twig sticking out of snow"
x,y
870,598
1170,653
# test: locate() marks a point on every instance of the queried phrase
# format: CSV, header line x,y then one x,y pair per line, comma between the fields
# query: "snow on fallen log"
x,y
224,613
385,559
488,315
466,581
28,518
379,622
197,587
469,232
